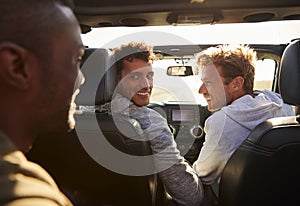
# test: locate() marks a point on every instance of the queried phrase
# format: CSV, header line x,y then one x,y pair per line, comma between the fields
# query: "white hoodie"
x,y
227,128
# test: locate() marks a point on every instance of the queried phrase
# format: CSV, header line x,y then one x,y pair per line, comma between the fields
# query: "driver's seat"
x,y
265,169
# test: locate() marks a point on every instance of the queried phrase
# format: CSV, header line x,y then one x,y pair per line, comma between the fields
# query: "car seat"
x,y
265,169
78,160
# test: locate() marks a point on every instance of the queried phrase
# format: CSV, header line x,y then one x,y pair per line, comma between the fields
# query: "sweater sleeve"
x,y
180,180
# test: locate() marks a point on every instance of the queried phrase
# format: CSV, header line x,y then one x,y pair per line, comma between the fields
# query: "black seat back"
x,y
101,78
265,170
81,162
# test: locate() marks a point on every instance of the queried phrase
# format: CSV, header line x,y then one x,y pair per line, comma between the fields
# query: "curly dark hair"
x,y
130,51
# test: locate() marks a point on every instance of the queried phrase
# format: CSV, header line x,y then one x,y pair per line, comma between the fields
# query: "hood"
x,y
249,111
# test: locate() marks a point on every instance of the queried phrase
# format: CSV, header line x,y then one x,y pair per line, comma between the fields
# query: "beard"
x,y
71,119
72,111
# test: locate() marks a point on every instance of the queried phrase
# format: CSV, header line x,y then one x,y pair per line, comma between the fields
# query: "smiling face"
x,y
136,81
217,92
213,89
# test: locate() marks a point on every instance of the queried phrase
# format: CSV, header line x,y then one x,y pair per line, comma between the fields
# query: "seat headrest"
x,y
108,84
289,76
100,81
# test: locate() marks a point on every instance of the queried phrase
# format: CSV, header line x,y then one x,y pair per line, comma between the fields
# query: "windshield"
x,y
185,88
175,88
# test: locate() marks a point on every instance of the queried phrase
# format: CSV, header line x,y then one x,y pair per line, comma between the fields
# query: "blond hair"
x,y
234,60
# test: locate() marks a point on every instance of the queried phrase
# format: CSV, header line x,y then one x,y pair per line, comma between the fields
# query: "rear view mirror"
x,y
180,71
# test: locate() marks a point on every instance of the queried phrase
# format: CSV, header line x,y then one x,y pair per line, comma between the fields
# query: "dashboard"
x,y
186,122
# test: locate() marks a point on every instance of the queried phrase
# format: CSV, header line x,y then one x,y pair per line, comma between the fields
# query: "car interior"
x,y
90,163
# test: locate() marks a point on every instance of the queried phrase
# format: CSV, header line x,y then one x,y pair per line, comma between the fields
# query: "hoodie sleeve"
x,y
220,142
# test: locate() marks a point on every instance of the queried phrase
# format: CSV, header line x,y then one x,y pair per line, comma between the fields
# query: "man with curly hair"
x,y
133,63
135,76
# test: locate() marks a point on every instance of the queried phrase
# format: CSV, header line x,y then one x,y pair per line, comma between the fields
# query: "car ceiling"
x,y
114,13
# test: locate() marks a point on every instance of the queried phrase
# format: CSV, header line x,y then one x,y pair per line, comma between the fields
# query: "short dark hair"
x,y
130,51
31,24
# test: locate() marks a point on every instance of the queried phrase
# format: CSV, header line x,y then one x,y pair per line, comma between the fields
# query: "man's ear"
x,y
13,70
237,83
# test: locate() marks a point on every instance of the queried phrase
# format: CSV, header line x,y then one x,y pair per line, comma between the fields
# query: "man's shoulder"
x,y
216,117
24,180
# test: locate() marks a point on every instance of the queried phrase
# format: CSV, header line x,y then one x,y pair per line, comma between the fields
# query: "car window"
x,y
264,74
